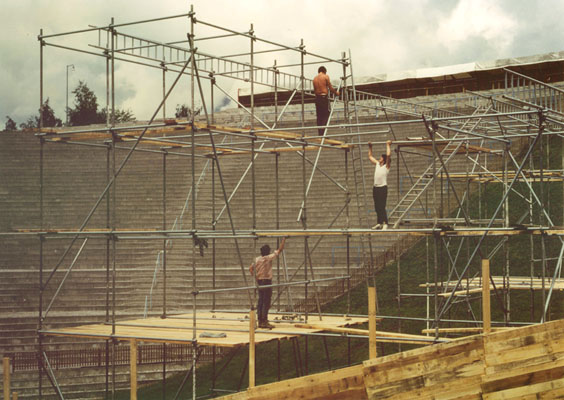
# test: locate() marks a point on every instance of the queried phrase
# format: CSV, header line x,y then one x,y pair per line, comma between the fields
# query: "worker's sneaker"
x,y
377,226
268,326
384,227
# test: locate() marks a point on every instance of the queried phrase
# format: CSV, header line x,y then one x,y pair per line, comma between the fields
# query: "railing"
x,y
529,90
96,356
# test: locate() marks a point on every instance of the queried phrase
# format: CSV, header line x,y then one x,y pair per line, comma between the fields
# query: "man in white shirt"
x,y
380,188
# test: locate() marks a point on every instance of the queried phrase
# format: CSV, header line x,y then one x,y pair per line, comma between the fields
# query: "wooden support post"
x,y
133,368
486,311
6,366
252,349
372,322
15,396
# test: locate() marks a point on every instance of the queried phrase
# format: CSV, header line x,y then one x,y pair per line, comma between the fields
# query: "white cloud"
x,y
383,37
477,18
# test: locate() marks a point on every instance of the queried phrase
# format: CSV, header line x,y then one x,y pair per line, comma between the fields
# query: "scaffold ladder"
x,y
406,203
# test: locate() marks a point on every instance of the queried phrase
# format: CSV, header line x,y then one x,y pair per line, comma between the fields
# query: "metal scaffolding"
x,y
500,139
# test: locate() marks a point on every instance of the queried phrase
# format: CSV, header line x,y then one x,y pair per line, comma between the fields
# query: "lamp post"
x,y
67,104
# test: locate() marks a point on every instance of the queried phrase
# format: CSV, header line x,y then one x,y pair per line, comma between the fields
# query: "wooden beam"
x,y
486,306
6,366
464,330
133,368
391,337
372,352
252,349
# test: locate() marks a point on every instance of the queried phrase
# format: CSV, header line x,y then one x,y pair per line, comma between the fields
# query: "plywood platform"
x,y
179,328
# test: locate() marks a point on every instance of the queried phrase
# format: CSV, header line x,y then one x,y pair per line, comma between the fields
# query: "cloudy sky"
x,y
383,36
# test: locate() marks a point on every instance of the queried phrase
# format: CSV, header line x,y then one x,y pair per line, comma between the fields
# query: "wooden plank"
x,y
413,364
425,353
333,385
510,340
473,330
393,336
526,375
464,389
527,391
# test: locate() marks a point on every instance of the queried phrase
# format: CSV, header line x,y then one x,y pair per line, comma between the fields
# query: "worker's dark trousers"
x,y
322,111
265,295
380,195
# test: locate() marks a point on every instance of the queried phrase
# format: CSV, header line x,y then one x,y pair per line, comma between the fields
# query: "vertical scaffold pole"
x,y
114,205
163,66
41,45
304,214
108,255
347,202
164,229
193,159
108,347
213,240
41,243
40,319
398,258
164,263
277,184
277,205
507,291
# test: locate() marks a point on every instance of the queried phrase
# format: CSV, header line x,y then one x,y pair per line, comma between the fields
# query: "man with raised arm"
x,y
261,268
380,188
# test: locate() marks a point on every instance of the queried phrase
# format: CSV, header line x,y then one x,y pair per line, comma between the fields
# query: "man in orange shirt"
x,y
321,87
261,268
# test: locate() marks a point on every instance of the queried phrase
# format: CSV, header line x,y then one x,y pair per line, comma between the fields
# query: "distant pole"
x,y
67,94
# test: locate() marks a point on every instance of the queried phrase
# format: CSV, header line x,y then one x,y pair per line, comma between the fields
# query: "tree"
x,y
10,125
182,111
86,112
49,118
31,123
119,115
85,109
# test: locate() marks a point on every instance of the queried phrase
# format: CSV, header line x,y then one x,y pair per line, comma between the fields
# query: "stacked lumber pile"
x,y
520,363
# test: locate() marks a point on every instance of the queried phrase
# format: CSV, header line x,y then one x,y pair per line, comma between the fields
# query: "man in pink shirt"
x,y
321,87
261,268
